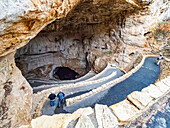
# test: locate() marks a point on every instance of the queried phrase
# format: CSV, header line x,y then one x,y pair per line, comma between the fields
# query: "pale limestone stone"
x,y
152,91
55,121
140,99
25,126
163,87
82,111
166,81
84,122
124,111
105,117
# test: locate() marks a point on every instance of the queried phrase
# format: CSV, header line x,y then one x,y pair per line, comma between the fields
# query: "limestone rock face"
x,y
15,94
91,35
139,24
45,52
22,20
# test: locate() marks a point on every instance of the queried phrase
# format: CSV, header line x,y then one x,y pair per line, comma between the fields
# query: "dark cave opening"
x,y
64,73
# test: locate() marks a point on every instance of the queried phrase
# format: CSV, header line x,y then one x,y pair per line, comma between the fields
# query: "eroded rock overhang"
x,y
22,21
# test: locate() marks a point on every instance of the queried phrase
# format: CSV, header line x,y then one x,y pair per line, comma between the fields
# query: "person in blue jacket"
x,y
52,97
60,97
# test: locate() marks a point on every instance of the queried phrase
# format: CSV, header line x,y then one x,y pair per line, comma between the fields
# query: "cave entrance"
x,y
79,42
50,52
64,73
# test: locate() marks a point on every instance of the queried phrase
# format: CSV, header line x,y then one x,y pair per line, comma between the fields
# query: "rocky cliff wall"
x,y
108,30
15,94
91,35
20,21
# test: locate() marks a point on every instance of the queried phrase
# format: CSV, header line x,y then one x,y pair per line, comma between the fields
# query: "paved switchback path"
x,y
145,76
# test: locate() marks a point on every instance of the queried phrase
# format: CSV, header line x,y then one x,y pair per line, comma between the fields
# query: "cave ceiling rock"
x,y
23,20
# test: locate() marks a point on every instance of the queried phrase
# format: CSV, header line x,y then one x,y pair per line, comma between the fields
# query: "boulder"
x,y
140,99
105,117
152,91
163,87
84,122
124,111
55,121
82,111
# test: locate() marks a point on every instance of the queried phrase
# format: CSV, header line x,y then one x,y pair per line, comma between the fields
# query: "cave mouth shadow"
x,y
64,73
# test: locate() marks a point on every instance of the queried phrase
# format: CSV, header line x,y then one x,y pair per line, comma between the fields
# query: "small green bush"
x,y
109,52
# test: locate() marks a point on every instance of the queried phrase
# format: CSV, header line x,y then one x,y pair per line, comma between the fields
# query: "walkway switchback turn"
x,y
38,82
145,76
105,76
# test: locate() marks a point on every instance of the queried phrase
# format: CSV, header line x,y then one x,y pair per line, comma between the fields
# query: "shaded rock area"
x,y
64,73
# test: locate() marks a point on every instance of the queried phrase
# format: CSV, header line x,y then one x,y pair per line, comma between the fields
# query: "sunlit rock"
x,y
140,99
55,121
153,91
105,117
124,111
84,122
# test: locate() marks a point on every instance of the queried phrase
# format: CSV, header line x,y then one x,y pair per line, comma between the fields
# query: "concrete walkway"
x,y
86,84
72,92
38,82
145,76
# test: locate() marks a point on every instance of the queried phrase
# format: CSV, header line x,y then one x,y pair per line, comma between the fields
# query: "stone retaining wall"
x,y
138,102
103,117
107,85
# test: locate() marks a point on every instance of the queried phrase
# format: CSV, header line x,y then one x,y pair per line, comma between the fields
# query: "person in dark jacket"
x,y
60,97
52,97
